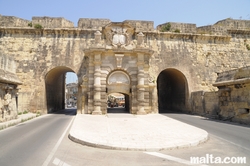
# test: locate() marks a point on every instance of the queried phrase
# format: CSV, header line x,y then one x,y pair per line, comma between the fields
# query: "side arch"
x,y
172,90
55,88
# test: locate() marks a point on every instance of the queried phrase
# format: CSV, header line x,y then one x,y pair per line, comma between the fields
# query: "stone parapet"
x,y
225,27
141,26
179,27
11,21
52,22
88,23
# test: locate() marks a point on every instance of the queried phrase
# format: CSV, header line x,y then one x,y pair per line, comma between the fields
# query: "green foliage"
x,y
38,26
177,31
248,47
30,24
25,112
166,27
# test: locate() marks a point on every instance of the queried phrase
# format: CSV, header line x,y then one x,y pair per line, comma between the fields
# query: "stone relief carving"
x,y
7,110
118,37
118,77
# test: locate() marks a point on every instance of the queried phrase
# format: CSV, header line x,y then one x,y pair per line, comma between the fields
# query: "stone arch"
x,y
118,81
55,88
172,90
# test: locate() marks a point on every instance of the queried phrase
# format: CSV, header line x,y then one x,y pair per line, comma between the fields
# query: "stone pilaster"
x,y
97,85
140,85
84,96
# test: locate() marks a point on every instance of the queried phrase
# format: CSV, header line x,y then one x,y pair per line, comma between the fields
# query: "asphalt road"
x,y
30,143
233,133
44,141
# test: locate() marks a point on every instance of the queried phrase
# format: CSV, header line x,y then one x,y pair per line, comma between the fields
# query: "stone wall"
x,y
198,57
182,27
234,95
88,23
11,21
8,88
205,104
222,27
52,22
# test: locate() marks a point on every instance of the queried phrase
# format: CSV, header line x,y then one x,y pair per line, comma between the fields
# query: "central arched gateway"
x,y
118,66
119,82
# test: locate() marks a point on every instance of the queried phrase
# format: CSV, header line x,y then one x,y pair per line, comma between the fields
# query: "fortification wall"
x,y
198,56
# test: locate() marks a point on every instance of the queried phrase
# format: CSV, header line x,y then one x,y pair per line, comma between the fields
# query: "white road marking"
x,y
230,142
59,162
172,158
46,162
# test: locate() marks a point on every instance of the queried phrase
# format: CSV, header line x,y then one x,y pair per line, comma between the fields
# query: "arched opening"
x,y
55,83
118,103
172,91
118,92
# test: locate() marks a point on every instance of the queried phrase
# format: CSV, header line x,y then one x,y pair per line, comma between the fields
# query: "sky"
x,y
199,12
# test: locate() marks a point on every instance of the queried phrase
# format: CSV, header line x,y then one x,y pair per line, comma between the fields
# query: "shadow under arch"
x,y
55,88
172,90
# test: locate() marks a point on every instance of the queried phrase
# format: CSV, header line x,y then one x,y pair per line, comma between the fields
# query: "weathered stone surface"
x,y
222,27
88,23
189,60
52,22
234,87
141,26
8,88
11,21
182,27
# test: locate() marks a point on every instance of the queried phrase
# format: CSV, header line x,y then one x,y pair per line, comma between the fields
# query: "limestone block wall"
x,y
50,22
222,27
199,57
88,23
8,88
36,53
234,94
11,21
205,103
182,27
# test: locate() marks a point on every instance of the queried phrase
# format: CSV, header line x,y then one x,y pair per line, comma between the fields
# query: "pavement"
x,y
20,119
134,132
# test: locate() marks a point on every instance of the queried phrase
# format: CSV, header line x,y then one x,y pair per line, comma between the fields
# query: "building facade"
x,y
170,67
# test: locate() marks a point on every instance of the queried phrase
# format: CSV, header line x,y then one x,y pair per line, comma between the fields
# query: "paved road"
x,y
31,143
230,132
44,141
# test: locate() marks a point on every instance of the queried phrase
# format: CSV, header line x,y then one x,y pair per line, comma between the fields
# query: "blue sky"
x,y
199,12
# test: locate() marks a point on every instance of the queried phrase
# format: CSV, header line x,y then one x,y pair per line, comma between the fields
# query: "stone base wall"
x,y
234,95
205,104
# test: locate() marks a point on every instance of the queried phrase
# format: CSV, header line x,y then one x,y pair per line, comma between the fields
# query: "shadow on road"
x,y
117,110
68,111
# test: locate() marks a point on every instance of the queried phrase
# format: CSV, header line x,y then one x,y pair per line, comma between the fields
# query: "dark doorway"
x,y
118,103
172,91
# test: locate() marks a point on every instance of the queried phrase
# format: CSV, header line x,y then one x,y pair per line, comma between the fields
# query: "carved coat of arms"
x,y
118,37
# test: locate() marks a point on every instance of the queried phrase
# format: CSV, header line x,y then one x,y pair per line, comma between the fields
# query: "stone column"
x,y
140,85
153,98
97,85
84,101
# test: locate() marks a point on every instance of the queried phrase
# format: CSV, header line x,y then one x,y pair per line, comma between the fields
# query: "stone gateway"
x,y
173,67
